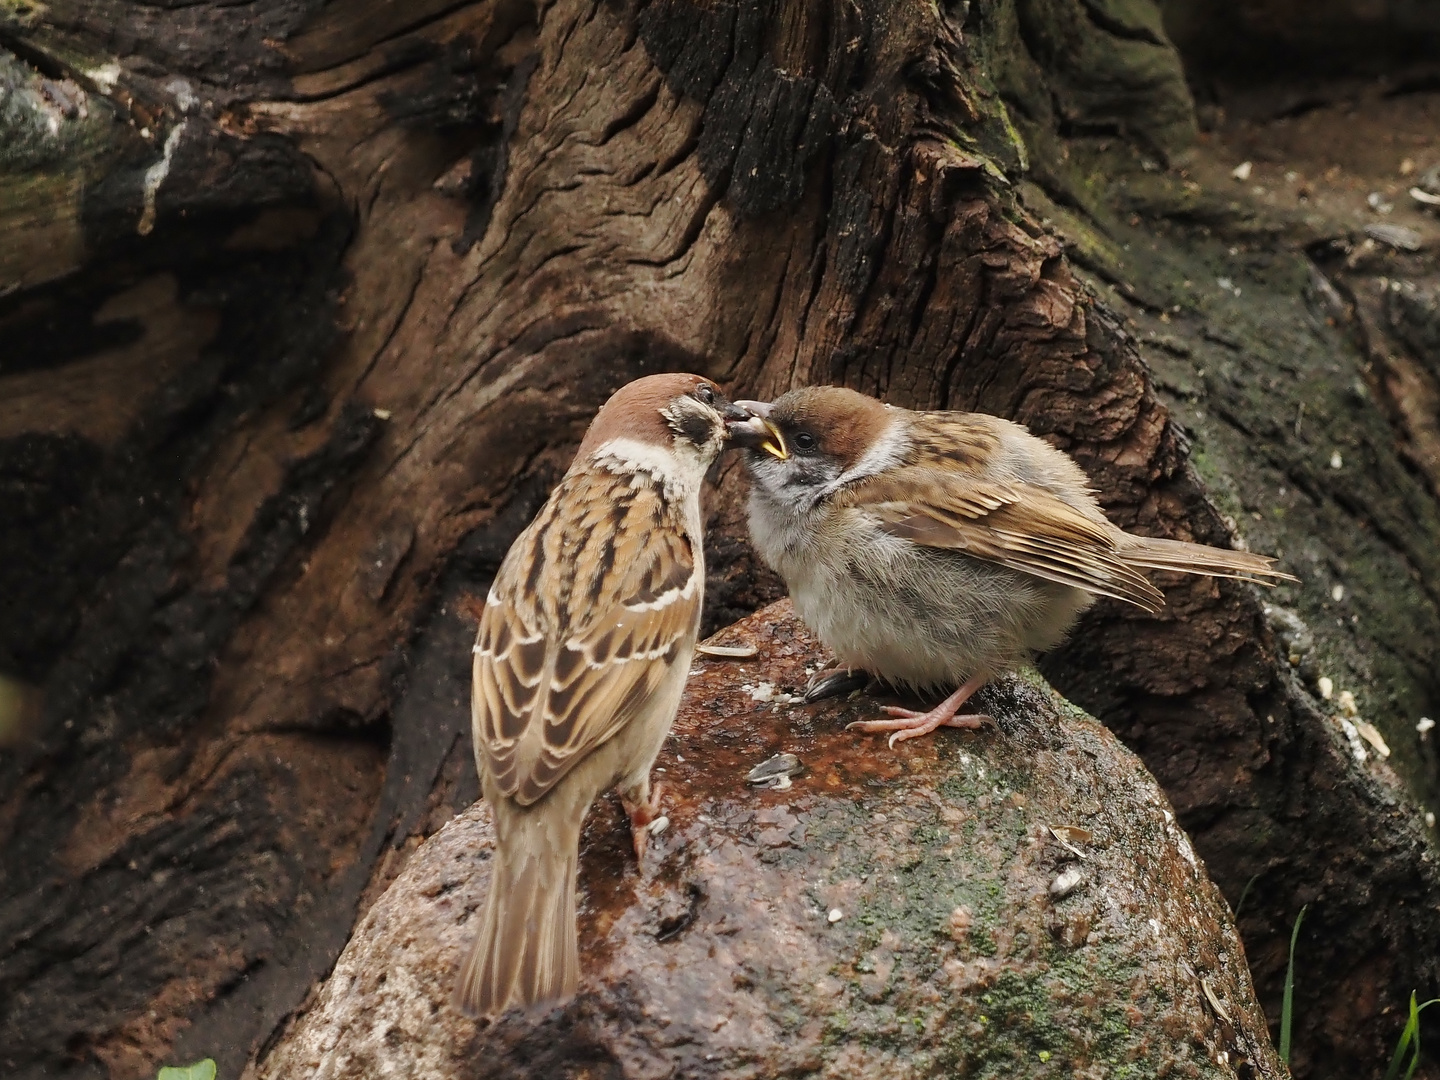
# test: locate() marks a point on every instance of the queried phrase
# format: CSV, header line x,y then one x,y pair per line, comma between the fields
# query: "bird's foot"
x,y
642,813
835,682
911,724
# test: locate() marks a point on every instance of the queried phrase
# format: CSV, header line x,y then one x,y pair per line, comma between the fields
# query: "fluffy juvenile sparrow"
x,y
939,549
582,652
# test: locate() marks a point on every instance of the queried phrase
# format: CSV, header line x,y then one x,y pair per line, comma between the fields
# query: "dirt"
x,y
1310,373
1320,167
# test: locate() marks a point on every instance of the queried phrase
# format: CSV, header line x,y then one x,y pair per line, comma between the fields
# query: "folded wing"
x,y
1017,525
588,615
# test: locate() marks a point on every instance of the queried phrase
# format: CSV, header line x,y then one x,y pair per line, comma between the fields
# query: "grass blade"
x,y
1413,1024
1415,1019
1411,1034
201,1070
1287,1003
1244,893
1412,1028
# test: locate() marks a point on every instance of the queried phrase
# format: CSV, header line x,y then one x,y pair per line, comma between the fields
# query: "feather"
x,y
526,951
564,660
1157,553
1016,525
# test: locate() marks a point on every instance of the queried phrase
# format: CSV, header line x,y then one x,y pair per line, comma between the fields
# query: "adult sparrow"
x,y
938,549
583,647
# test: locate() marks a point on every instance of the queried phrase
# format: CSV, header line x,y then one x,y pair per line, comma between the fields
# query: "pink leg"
x,y
641,815
910,724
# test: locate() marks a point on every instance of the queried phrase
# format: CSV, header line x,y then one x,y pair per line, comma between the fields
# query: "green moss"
x,y
36,134
1031,1007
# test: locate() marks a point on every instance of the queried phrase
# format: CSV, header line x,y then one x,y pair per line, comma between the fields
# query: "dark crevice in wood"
x,y
1105,20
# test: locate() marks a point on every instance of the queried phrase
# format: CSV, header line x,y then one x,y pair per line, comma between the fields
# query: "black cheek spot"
x,y
696,428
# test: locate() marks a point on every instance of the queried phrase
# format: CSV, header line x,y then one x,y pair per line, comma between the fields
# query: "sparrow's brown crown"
x,y
637,410
843,424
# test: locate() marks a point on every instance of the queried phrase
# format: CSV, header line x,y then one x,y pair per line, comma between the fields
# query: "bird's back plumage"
x,y
556,672
582,651
989,489
593,613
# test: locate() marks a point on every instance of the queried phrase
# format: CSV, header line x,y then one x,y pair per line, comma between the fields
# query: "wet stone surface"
x,y
1011,902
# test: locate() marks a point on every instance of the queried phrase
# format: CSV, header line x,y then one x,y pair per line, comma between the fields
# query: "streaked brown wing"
x,y
592,608
1021,526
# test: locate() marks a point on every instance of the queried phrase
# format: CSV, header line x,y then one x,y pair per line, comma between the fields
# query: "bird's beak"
x,y
755,431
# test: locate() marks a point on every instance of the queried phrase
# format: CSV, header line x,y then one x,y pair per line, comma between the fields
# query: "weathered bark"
x,y
324,300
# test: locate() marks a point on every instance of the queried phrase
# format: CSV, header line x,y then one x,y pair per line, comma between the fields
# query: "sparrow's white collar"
x,y
680,470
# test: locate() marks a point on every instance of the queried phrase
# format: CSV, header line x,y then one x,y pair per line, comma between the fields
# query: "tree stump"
x,y
303,310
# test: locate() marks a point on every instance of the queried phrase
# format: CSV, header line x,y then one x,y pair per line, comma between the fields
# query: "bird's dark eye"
x,y
803,441
704,394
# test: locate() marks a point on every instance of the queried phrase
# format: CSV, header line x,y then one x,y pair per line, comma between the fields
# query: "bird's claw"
x,y
641,814
834,682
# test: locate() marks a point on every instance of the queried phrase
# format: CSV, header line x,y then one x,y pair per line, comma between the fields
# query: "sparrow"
x,y
582,651
936,550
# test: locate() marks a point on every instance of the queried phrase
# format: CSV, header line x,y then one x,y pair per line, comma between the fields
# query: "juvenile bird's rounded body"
x,y
937,548
580,659
915,616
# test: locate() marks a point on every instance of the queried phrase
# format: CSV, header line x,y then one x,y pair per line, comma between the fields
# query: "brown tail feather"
x,y
1154,553
526,953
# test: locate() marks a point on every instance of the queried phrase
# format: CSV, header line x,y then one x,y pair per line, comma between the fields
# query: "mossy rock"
x,y
893,913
